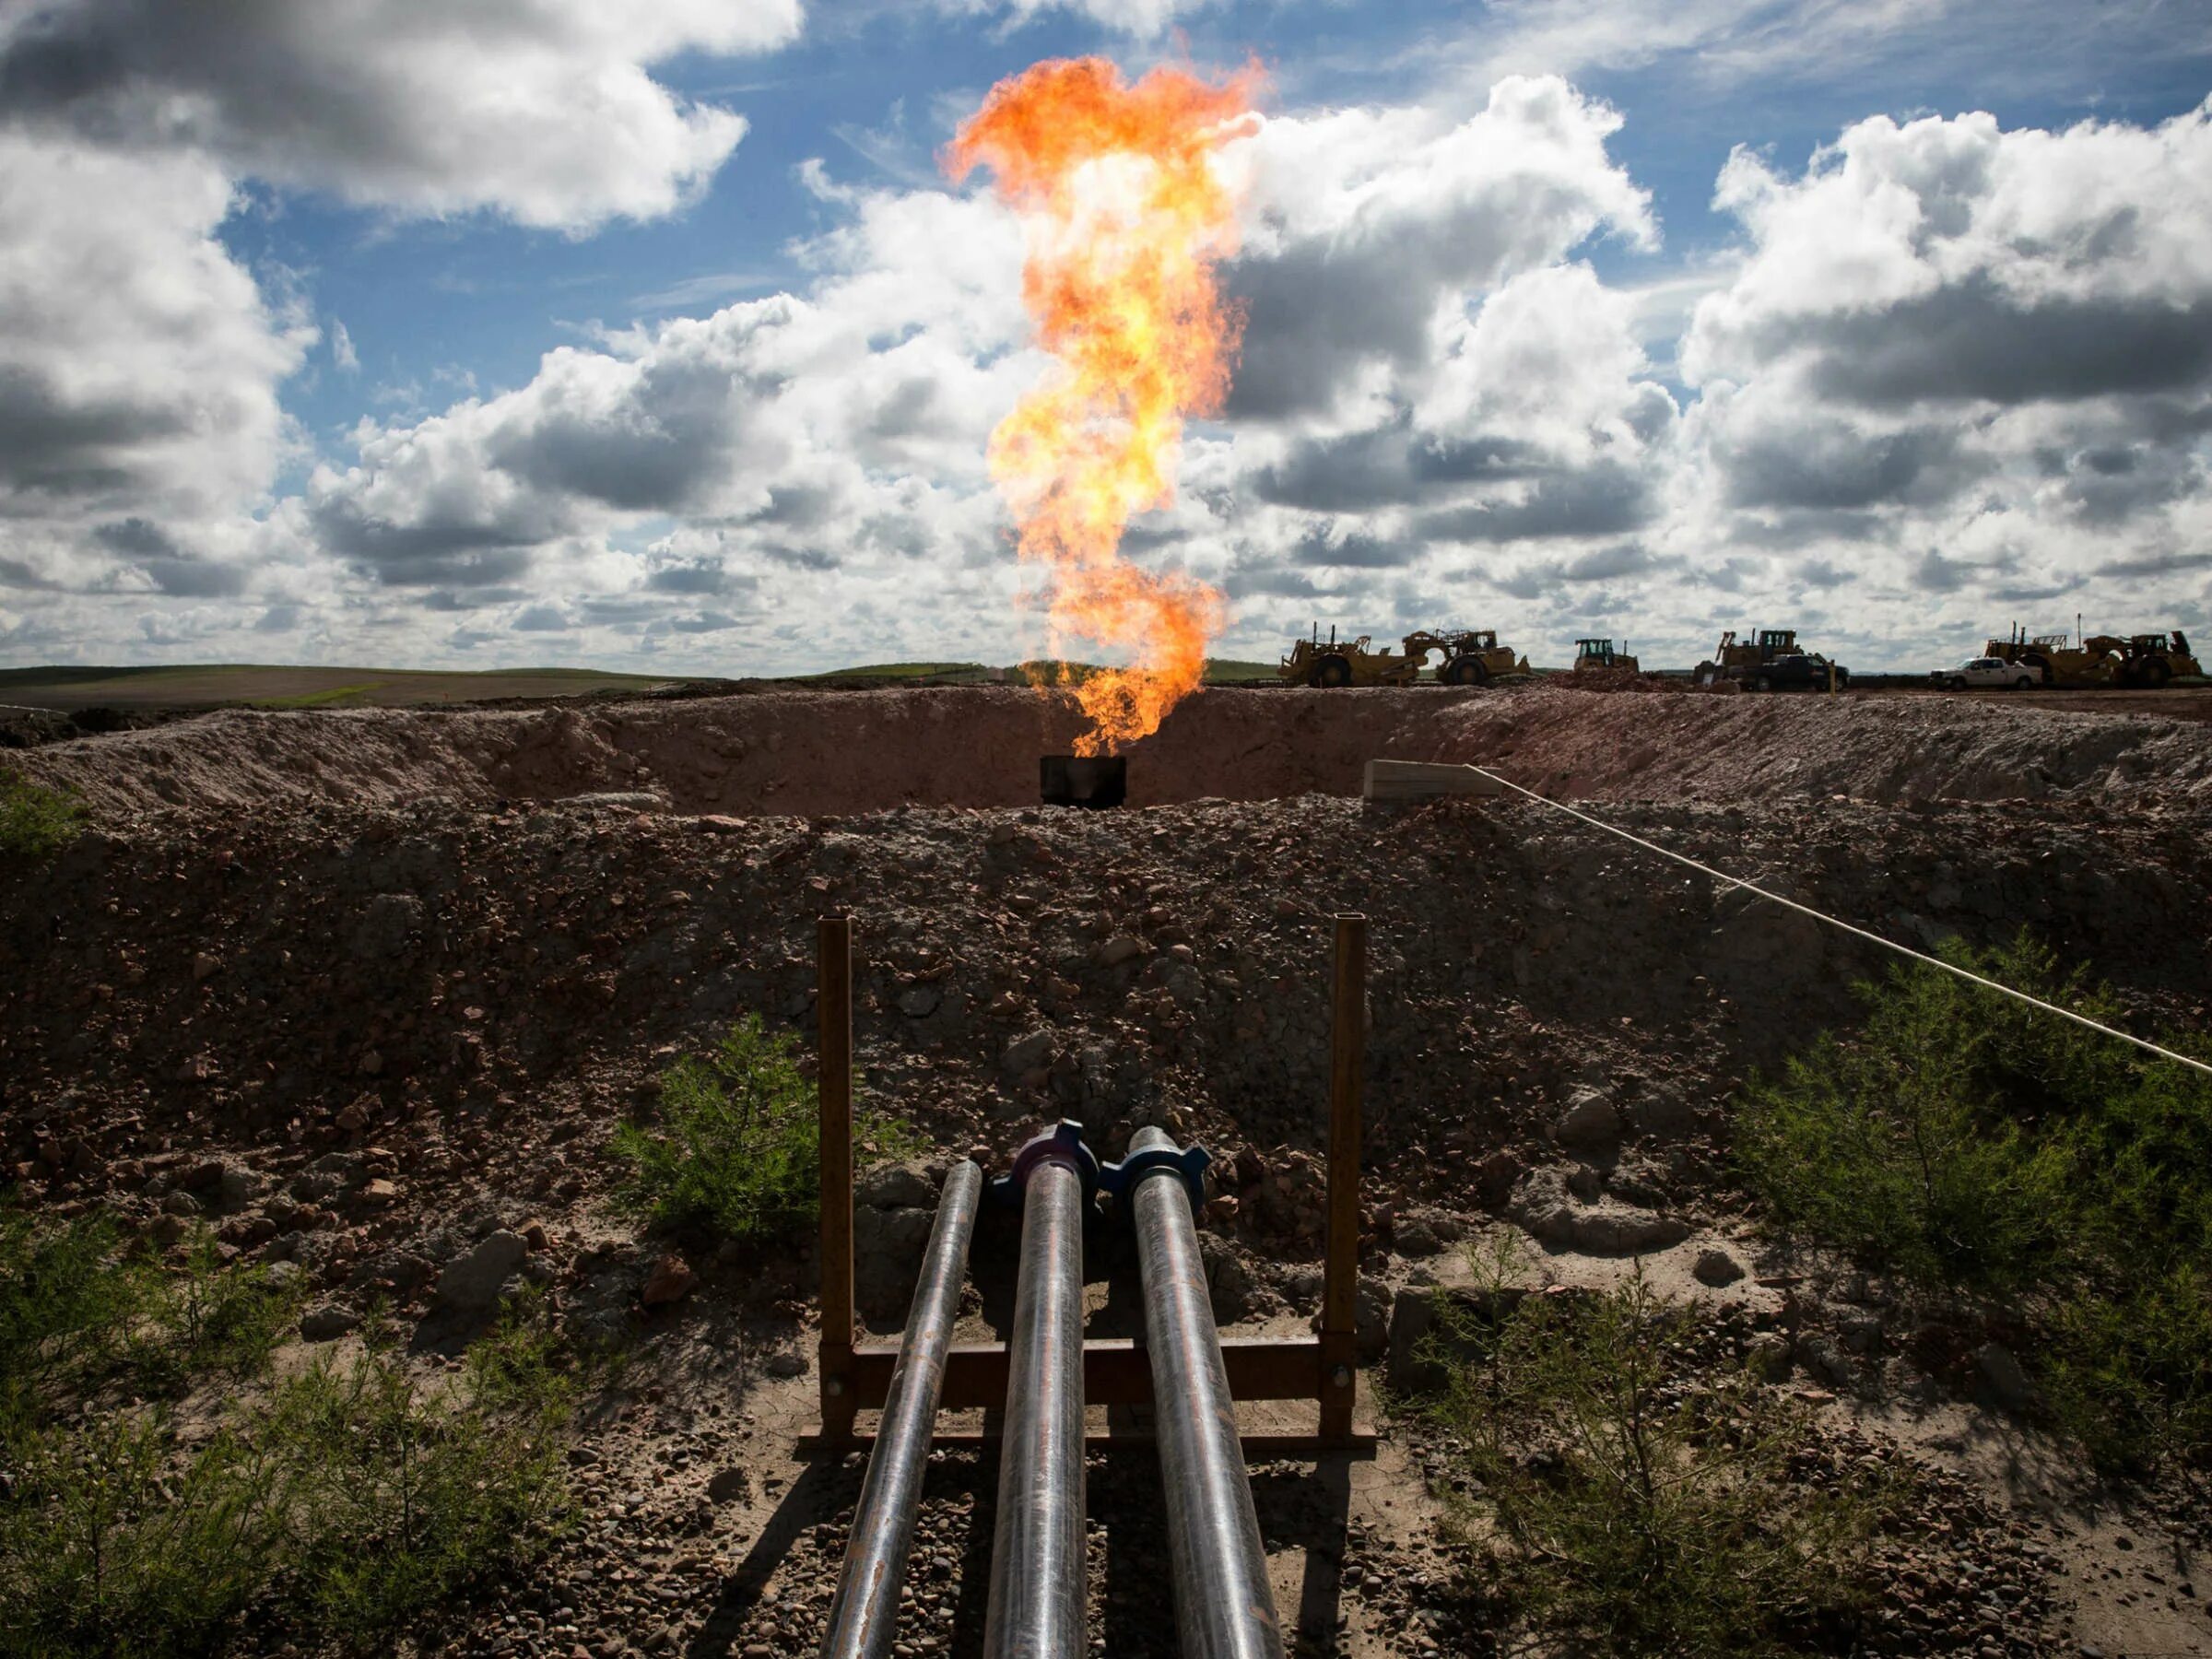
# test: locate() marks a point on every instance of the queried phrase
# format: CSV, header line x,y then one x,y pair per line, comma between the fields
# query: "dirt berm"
x,y
802,753
304,980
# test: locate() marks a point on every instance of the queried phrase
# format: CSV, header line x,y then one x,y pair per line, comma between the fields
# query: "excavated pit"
x,y
807,754
304,971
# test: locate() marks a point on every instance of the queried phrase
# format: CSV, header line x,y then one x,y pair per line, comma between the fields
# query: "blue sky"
x,y
278,319
872,96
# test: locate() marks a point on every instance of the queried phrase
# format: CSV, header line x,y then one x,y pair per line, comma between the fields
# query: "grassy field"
x,y
271,686
277,687
1220,671
901,674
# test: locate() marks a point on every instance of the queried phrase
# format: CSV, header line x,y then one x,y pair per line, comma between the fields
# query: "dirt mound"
x,y
1874,748
362,1040
805,753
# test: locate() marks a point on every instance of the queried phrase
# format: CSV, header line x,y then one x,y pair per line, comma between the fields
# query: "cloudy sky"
x,y
485,333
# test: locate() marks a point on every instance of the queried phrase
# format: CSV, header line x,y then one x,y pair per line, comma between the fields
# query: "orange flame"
x,y
1127,219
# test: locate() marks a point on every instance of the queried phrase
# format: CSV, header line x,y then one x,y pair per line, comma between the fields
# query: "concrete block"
x,y
1423,780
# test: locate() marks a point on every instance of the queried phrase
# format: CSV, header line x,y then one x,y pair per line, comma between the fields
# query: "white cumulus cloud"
x,y
1969,361
138,368
543,111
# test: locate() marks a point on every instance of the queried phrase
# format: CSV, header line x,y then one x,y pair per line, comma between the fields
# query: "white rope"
x,y
1805,909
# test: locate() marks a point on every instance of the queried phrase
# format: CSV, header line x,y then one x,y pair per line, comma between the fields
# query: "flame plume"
x,y
1127,219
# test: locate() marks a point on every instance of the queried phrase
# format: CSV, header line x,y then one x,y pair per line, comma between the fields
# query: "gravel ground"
x,y
813,752
384,1015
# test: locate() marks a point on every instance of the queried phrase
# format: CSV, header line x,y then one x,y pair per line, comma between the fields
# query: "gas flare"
x,y
1127,218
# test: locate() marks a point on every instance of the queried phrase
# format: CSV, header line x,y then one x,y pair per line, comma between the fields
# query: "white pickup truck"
x,y
1991,671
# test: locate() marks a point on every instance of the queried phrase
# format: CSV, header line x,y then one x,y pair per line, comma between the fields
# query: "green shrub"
x,y
211,1317
736,1152
35,821
75,1309
1884,1151
66,1300
117,1540
1964,1138
408,1494
2128,1368
347,1497
1623,1498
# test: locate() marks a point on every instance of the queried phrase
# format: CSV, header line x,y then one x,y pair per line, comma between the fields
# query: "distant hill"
x,y
269,686
279,685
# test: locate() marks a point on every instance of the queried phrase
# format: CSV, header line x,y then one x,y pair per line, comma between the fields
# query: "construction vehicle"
x,y
1331,662
2147,660
2150,660
2061,663
1471,657
1756,667
1774,663
1599,653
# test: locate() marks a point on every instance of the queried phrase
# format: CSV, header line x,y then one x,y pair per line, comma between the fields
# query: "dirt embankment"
x,y
806,753
282,968
360,1021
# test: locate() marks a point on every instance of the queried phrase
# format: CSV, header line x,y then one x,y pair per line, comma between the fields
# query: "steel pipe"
x,y
863,1619
1036,1606
1224,1605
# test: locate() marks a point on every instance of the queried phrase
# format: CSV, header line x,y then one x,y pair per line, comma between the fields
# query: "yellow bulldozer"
x,y
1600,654
1773,661
1732,661
1471,657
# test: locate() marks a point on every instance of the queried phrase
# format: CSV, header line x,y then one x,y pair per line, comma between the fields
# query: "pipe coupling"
x,y
1152,1151
1062,1143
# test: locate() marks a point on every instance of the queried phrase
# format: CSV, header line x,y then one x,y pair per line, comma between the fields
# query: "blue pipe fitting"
x,y
1189,1162
1062,1143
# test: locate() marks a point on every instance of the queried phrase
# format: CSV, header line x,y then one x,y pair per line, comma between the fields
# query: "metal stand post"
x,y
833,1010
1340,1284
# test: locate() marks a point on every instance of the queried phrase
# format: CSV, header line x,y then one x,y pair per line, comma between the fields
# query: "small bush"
x,y
737,1150
2128,1368
211,1317
1964,1138
35,821
1886,1151
408,1494
77,1310
67,1302
117,1540
1628,1502
345,1498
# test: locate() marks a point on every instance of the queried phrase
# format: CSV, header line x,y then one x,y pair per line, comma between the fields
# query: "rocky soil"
x,y
813,752
361,992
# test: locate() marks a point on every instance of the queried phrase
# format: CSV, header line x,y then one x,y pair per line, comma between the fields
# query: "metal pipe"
x,y
863,1619
1224,1605
1341,1272
1036,1604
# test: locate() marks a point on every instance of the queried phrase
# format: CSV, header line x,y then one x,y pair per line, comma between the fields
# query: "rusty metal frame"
x,y
855,1376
